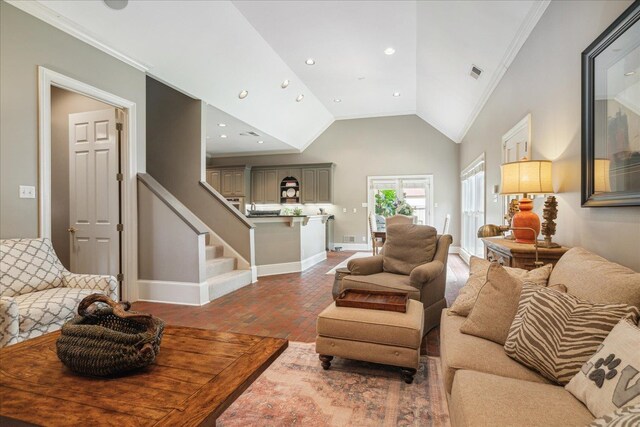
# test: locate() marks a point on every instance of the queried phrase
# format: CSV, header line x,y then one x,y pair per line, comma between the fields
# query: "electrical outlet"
x,y
364,239
364,205
435,205
27,192
344,210
355,210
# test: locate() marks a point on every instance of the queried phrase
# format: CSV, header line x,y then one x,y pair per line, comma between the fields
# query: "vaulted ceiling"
x,y
213,50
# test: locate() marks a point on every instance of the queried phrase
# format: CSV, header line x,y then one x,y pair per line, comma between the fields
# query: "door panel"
x,y
93,192
271,186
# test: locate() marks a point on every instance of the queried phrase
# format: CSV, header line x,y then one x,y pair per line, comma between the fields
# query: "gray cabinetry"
x,y
323,185
315,180
230,182
308,193
257,186
264,186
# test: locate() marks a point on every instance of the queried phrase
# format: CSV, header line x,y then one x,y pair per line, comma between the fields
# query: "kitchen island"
x,y
288,244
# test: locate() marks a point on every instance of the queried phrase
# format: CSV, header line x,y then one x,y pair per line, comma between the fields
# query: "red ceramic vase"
x,y
526,218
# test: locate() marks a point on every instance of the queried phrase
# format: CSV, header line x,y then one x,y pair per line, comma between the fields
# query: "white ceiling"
x,y
214,49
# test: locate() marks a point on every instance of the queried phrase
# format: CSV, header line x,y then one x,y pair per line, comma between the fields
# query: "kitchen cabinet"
x,y
317,185
308,191
213,178
324,181
289,172
265,187
230,182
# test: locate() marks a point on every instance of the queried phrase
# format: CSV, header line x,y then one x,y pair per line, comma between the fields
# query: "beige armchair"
x,y
399,219
414,261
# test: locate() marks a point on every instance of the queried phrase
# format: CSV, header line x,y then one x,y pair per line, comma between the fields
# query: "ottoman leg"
x,y
326,361
407,374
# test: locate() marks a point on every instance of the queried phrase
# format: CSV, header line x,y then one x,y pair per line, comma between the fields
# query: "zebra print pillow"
x,y
556,333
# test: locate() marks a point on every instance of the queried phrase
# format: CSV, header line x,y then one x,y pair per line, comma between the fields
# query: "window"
x,y
472,178
415,190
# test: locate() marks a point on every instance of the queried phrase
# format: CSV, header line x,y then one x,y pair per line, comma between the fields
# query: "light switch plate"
x,y
344,210
364,205
27,192
355,210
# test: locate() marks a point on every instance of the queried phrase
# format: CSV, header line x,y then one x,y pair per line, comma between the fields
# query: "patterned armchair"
x,y
37,294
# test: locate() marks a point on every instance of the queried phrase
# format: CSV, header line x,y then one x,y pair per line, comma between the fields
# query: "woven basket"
x,y
108,340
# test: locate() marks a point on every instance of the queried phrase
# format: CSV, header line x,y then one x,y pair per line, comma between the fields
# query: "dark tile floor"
x,y
284,306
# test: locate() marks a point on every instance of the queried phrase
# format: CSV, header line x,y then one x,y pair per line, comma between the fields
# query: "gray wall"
x,y
399,145
26,43
63,103
174,159
544,80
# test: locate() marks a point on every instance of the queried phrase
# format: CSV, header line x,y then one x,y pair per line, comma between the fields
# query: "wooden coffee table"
x,y
197,375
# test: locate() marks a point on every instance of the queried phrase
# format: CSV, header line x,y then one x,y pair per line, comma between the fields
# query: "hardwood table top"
x,y
197,375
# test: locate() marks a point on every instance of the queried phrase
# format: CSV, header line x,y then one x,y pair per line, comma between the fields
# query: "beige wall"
x,y
174,159
26,43
399,145
544,80
63,103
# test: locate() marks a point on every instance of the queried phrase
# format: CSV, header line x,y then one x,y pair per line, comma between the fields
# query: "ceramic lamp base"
x,y
527,219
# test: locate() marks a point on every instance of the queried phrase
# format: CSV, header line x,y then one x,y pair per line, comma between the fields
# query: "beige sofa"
x,y
485,387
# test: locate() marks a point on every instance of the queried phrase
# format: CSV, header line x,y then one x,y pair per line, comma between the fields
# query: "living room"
x,y
253,155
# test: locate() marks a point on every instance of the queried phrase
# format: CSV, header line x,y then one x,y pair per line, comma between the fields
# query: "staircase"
x,y
223,276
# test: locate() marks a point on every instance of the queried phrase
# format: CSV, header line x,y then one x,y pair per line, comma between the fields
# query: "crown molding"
x,y
40,11
527,26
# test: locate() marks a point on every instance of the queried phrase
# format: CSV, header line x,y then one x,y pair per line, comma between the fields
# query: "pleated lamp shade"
x,y
601,182
526,177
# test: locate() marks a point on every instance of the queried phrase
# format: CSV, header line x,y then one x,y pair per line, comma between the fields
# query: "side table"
x,y
521,255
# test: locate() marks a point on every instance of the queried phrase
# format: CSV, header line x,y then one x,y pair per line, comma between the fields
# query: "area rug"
x,y
296,391
344,263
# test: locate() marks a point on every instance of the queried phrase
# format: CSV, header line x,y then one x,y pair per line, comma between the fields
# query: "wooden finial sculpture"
x,y
549,213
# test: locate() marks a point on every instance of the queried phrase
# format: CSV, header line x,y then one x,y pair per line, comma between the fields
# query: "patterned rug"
x,y
295,390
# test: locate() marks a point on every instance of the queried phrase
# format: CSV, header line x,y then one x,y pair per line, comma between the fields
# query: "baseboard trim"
x,y
361,247
183,293
290,267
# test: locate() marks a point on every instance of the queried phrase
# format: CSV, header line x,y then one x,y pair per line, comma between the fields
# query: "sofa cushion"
x,y
373,326
478,268
480,399
610,379
381,282
28,265
46,311
408,246
459,351
556,333
495,307
593,278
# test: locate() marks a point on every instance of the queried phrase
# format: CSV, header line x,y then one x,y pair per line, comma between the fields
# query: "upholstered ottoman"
x,y
375,336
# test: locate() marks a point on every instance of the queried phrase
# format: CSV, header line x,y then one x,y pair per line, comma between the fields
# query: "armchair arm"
x,y
9,321
425,273
365,266
107,285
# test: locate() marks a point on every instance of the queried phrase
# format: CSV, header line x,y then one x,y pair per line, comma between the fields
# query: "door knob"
x,y
71,230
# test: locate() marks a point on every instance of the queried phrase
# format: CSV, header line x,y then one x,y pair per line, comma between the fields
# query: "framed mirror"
x,y
611,115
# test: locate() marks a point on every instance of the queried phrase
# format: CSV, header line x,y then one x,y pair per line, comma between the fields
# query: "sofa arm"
x,y
365,266
107,285
9,321
425,273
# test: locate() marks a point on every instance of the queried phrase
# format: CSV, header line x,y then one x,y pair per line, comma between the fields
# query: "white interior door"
x,y
93,192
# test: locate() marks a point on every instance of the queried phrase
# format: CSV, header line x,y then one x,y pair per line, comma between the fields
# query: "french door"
x,y
472,181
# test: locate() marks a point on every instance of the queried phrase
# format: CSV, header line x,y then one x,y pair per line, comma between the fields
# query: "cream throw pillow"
x,y
610,380
495,307
478,268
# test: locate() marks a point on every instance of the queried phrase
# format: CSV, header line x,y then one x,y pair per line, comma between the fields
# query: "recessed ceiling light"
x,y
396,94
221,125
310,61
223,136
243,94
337,100
116,4
260,142
630,73
389,51
361,78
300,98
284,84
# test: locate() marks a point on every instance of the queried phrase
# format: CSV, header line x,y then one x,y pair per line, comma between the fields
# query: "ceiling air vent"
x,y
475,72
249,133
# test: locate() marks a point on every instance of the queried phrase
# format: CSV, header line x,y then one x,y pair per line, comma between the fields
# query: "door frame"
x,y
128,156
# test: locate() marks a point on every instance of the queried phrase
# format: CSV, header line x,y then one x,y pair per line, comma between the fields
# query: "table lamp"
x,y
523,178
601,180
